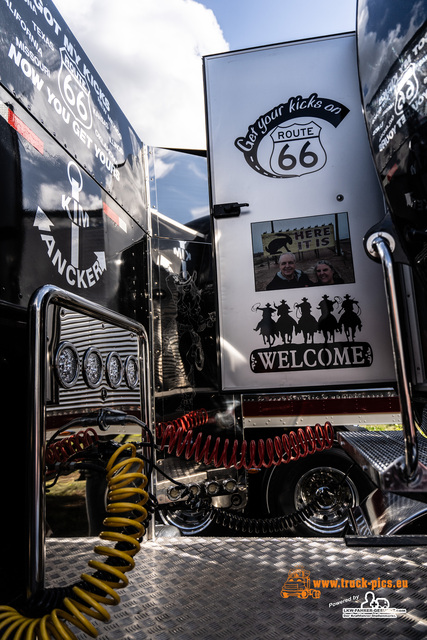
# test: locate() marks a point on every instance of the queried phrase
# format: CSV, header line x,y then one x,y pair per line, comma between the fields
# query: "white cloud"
x,y
148,52
378,49
197,171
163,168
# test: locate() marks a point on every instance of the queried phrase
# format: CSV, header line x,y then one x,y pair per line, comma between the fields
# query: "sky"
x,y
149,52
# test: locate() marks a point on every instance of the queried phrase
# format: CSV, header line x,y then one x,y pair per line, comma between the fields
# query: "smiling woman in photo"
x,y
326,274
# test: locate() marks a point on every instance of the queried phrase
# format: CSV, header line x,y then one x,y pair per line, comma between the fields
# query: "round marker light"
x,y
114,369
195,489
212,488
131,372
174,493
67,365
230,485
93,368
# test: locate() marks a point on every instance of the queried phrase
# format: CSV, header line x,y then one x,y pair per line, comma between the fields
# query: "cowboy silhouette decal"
x,y
309,336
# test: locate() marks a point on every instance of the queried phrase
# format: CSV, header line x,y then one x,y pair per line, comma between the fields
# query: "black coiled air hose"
x,y
256,526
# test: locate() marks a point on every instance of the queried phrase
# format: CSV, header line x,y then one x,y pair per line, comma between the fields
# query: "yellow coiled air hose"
x,y
126,500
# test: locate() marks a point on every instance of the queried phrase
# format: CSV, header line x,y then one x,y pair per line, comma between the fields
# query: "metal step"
x,y
222,588
387,514
380,454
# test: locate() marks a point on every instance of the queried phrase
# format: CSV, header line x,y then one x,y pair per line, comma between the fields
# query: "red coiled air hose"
x,y
188,421
61,450
178,438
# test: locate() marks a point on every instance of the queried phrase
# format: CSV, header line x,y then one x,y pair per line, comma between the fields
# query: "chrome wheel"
x,y
330,478
188,521
334,492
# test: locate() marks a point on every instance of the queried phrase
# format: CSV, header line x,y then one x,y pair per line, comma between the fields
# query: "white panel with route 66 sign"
x,y
300,303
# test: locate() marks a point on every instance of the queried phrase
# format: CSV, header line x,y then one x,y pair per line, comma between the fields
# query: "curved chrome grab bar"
x,y
381,246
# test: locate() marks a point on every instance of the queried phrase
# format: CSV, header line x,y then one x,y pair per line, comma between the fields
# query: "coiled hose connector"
x,y
124,527
177,438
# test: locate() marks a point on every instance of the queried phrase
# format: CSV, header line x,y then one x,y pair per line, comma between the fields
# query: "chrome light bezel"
x,y
114,380
91,381
63,380
132,381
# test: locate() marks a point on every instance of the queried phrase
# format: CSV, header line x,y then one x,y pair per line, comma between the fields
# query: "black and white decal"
x,y
81,271
286,141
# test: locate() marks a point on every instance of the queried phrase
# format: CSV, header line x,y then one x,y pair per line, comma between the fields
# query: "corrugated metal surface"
x,y
223,588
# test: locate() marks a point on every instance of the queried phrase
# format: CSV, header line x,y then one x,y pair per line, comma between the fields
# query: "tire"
x,y
329,477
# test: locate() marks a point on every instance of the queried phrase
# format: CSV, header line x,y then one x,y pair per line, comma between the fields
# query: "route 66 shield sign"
x,y
406,90
297,149
74,90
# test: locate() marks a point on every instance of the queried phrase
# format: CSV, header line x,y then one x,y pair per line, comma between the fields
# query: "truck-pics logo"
x,y
69,264
286,141
298,584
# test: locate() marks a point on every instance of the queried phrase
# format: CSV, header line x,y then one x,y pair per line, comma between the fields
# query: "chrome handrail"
x,y
380,244
38,360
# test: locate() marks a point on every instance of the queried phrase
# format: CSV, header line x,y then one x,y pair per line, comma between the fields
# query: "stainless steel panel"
x,y
84,333
274,101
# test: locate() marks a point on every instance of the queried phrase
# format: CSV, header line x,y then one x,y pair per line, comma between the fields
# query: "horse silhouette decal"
x,y
310,336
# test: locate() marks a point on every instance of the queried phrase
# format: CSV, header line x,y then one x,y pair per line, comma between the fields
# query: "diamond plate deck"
x,y
230,589
382,448
377,451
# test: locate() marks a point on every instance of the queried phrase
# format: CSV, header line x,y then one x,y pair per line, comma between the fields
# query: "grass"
x,y
66,507
384,427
